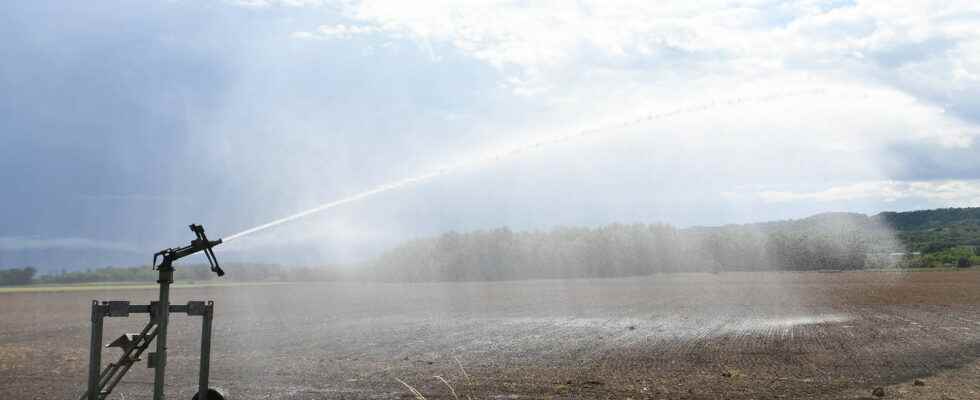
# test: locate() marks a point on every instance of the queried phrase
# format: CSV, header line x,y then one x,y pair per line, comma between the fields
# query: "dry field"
x,y
682,336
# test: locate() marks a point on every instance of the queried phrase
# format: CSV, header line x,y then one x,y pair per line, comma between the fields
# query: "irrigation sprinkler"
x,y
102,381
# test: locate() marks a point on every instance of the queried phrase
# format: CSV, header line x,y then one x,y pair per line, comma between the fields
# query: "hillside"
x,y
932,231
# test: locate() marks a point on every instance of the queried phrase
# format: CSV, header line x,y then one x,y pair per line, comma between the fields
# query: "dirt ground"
x,y
680,336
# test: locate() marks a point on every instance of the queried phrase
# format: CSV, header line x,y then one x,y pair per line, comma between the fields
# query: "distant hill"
x,y
926,231
927,219
931,231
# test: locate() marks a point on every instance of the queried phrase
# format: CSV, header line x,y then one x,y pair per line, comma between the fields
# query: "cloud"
x,y
918,160
596,57
896,73
133,197
15,243
230,108
926,48
273,3
950,192
341,31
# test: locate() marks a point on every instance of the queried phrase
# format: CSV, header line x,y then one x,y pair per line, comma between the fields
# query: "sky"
x,y
123,122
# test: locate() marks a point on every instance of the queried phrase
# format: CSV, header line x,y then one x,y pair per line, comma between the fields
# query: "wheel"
x,y
213,394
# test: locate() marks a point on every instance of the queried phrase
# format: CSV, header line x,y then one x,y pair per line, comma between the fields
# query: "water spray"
x,y
516,150
101,383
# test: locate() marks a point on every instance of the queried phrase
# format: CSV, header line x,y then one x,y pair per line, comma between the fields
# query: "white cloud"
x,y
273,3
950,192
547,48
606,59
339,31
888,73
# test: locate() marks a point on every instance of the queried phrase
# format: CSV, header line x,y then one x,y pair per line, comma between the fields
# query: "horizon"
x,y
353,263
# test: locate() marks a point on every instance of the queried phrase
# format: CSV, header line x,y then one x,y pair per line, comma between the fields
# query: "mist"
x,y
489,199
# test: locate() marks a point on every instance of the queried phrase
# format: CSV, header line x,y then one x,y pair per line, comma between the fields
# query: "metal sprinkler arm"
x,y
168,256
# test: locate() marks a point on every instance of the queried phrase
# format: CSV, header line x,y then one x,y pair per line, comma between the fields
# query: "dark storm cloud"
x,y
918,161
98,99
118,123
99,104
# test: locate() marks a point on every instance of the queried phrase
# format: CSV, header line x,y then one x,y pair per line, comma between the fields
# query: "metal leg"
x,y
95,352
202,389
162,316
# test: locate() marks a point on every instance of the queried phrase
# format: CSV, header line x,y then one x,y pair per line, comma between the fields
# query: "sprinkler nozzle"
x,y
201,243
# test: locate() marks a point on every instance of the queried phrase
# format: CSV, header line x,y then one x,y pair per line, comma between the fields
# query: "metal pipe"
x,y
107,374
95,352
162,317
202,389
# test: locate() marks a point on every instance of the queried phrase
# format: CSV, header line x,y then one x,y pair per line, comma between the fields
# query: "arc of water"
x,y
520,149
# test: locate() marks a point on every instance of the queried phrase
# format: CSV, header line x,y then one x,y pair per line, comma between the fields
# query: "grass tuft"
x,y
453,391
418,395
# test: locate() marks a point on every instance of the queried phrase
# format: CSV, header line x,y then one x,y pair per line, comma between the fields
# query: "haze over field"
x,y
121,123
490,199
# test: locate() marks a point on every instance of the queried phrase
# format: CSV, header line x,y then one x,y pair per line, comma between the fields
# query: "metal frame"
x,y
101,382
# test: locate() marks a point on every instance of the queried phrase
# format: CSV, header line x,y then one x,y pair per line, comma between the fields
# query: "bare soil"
x,y
679,336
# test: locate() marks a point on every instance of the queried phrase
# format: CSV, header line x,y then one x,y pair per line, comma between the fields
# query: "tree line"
x,y
185,273
837,241
828,241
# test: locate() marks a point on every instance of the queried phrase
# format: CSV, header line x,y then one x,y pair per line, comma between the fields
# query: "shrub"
x,y
17,276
